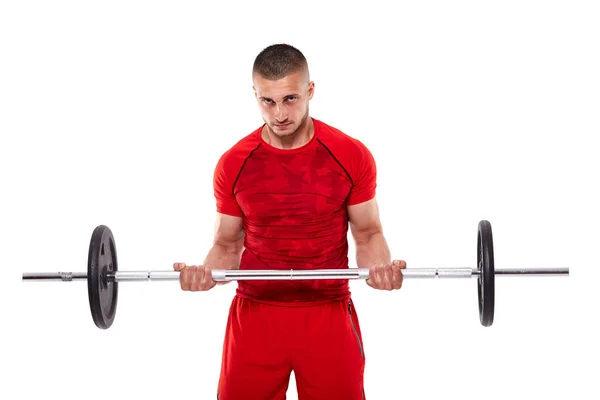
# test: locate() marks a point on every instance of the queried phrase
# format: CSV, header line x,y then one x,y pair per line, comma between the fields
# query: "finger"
x,y
184,279
207,283
389,277
193,277
201,278
178,266
380,276
372,276
396,277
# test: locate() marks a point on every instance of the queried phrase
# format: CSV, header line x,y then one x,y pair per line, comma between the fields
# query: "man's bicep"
x,y
228,230
364,219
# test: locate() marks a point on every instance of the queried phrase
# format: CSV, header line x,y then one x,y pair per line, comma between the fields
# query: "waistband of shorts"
x,y
295,303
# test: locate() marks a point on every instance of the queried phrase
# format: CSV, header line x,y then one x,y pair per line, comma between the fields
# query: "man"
x,y
286,194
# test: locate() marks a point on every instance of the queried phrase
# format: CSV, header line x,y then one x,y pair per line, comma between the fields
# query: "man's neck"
x,y
303,135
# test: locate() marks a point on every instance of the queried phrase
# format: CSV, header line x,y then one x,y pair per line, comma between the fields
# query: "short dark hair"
x,y
279,60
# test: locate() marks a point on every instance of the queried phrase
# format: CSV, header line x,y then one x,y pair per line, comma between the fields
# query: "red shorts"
x,y
264,343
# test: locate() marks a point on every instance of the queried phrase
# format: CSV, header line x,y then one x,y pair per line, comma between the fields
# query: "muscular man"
x,y
286,195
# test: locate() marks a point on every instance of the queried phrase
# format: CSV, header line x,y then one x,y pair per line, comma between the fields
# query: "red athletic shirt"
x,y
293,207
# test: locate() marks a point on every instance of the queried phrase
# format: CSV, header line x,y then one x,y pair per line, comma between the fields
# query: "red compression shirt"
x,y
293,207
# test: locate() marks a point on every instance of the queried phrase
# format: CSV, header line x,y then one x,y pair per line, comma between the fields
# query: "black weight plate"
x,y
102,259
486,279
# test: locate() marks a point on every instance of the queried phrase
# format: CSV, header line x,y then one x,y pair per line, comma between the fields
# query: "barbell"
x,y
103,275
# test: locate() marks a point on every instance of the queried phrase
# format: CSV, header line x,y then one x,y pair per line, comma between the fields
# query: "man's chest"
x,y
301,186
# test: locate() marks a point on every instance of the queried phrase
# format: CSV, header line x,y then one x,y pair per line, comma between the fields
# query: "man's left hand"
x,y
386,276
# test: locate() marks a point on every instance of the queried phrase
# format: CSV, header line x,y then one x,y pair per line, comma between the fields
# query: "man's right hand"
x,y
194,277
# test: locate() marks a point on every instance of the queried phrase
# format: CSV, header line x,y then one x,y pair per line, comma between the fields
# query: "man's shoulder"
x,y
241,149
335,138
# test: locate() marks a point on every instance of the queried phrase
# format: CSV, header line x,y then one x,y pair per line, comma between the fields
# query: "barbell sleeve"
x,y
55,276
533,271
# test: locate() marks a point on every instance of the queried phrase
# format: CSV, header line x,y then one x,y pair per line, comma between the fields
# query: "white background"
x,y
116,112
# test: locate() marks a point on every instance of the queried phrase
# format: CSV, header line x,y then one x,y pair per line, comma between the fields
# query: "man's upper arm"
x,y
223,181
364,220
229,232
363,211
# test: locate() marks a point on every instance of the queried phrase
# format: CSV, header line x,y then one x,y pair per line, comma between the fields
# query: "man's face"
x,y
284,103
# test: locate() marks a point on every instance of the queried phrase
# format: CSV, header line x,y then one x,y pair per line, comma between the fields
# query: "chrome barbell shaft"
x,y
55,276
220,275
533,272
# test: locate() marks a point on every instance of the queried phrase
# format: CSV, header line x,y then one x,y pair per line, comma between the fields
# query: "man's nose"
x,y
281,114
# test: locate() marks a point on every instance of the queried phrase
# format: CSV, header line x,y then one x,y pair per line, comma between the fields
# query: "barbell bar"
x,y
225,275
103,275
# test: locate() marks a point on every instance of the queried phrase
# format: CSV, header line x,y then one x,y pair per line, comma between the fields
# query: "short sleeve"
x,y
364,175
223,190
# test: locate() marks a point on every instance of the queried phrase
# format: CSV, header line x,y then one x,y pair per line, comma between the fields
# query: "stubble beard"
x,y
295,131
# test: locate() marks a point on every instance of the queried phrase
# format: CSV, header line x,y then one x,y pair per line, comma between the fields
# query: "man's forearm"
x,y
224,257
372,250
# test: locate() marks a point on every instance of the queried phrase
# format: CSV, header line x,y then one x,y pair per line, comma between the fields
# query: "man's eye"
x,y
291,98
267,101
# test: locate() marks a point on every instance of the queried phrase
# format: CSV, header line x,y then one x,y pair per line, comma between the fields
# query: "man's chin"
x,y
283,130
